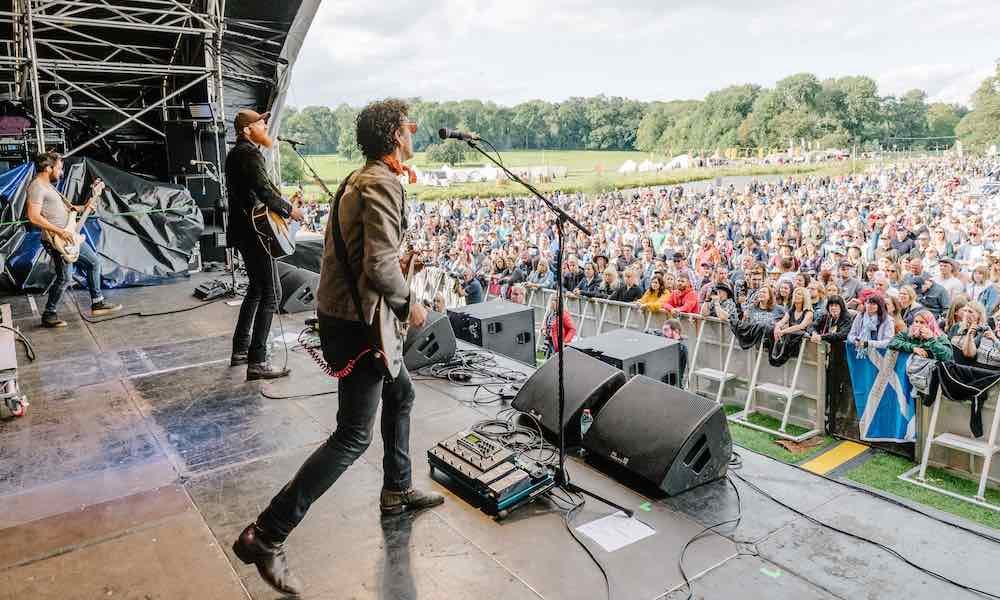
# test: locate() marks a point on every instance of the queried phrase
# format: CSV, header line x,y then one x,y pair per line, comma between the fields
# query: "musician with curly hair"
x,y
360,282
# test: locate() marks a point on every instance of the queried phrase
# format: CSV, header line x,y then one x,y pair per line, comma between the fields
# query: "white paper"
x,y
233,302
616,531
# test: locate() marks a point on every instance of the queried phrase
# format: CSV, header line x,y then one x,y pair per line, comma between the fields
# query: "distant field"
x,y
589,171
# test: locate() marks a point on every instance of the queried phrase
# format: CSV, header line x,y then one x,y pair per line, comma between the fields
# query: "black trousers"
x,y
359,395
259,304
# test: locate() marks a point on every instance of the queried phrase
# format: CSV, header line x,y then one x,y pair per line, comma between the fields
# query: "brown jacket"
x,y
372,222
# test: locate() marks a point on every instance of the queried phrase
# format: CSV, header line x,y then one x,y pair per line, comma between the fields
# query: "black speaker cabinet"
x,y
666,436
635,353
503,327
431,344
588,383
298,288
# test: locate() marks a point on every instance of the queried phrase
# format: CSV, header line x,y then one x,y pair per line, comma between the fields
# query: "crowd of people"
x,y
903,256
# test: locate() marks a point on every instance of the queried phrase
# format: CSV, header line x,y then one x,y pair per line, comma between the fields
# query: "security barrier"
x,y
711,349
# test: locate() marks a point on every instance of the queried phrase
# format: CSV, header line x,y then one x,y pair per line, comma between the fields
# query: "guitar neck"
x,y
83,219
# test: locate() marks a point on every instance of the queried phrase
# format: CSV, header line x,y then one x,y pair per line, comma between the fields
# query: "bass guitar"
x,y
70,251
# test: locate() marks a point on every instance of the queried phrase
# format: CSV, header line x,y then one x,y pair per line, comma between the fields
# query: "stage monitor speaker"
x,y
298,288
671,438
589,383
431,344
506,328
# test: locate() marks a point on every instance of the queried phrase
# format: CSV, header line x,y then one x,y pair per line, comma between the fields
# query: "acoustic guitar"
x,y
273,231
70,251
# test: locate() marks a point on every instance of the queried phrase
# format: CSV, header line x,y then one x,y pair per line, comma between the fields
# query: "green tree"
x,y
941,122
292,169
980,129
450,152
347,141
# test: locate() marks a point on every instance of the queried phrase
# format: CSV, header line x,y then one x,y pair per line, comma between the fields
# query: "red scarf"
x,y
399,168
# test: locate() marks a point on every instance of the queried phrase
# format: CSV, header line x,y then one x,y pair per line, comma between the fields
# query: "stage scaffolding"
x,y
129,67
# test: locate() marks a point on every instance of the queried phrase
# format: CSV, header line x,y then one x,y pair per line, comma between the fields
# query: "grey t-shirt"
x,y
53,207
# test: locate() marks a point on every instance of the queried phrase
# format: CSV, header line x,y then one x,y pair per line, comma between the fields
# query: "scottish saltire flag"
x,y
882,395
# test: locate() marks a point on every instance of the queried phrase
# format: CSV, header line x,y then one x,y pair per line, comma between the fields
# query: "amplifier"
x,y
635,353
493,475
503,327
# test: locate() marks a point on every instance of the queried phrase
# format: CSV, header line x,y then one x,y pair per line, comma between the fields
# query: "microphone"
x,y
291,141
453,134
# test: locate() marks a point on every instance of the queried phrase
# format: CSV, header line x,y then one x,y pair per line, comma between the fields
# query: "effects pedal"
x,y
487,470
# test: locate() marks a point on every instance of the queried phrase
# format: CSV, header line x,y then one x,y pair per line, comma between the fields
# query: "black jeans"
x,y
259,304
359,395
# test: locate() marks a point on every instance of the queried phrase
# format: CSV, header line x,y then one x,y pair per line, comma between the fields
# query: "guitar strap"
x,y
340,249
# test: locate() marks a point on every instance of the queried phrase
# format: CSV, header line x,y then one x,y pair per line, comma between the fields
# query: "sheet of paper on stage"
x,y
616,531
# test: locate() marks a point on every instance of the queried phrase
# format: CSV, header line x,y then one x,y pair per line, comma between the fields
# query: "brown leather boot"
x,y
269,559
396,503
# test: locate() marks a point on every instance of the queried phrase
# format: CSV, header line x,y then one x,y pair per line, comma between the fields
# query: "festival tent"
x,y
682,161
628,167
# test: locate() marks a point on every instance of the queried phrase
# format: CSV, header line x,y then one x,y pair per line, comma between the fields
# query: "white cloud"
x,y
514,50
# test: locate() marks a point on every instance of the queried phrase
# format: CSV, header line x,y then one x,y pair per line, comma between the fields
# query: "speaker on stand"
x,y
664,435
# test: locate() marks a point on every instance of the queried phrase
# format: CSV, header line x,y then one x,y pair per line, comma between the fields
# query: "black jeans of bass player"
x,y
358,394
259,304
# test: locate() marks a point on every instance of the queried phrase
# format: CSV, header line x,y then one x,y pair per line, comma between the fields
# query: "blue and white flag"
x,y
882,395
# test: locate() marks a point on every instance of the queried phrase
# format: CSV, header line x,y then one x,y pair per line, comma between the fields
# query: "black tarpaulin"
x,y
144,232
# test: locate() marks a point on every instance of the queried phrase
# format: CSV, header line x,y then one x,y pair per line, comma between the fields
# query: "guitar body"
x,y
390,332
272,229
69,252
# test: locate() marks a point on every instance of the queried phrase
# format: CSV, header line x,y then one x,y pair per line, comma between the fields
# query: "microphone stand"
x,y
562,218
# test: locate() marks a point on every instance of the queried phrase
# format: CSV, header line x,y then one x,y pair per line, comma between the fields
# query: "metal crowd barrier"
x,y
710,348
709,342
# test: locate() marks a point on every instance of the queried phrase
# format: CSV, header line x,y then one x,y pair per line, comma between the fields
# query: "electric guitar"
x,y
389,332
70,251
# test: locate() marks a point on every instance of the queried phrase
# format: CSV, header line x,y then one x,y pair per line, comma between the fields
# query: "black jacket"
x,y
246,184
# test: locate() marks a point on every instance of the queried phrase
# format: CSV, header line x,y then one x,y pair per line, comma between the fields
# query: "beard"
x,y
261,137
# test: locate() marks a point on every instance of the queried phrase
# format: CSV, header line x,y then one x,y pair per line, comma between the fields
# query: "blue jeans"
x,y
89,261
359,394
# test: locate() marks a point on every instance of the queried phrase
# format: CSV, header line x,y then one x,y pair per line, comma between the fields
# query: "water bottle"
x,y
586,420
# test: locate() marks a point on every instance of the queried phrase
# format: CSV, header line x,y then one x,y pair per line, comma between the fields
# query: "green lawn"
x,y
764,443
588,171
882,473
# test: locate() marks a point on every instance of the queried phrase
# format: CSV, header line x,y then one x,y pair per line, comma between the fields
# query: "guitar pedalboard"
x,y
497,478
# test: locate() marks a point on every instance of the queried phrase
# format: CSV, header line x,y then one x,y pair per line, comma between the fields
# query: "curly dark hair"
x,y
377,123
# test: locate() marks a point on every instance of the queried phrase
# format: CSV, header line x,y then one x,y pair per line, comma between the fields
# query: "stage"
x,y
144,454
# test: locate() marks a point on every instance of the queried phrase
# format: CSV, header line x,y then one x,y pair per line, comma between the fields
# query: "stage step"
x,y
965,444
779,390
714,374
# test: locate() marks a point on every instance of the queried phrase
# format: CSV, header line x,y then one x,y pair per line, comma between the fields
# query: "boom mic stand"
x,y
562,217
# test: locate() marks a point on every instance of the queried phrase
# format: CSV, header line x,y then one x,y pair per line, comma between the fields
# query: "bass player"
x,y
368,222
48,210
247,183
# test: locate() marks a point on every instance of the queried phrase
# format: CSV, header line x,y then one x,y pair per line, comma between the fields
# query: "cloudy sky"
x,y
510,51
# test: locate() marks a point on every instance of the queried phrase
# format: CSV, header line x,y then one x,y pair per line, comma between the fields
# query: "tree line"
x,y
832,113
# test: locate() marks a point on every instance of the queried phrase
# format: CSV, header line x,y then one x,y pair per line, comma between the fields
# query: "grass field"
x,y
588,171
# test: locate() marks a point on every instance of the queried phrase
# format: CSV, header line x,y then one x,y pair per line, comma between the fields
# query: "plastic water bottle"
x,y
586,420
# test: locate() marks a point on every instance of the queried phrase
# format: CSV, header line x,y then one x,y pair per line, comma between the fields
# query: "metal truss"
x,y
125,58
